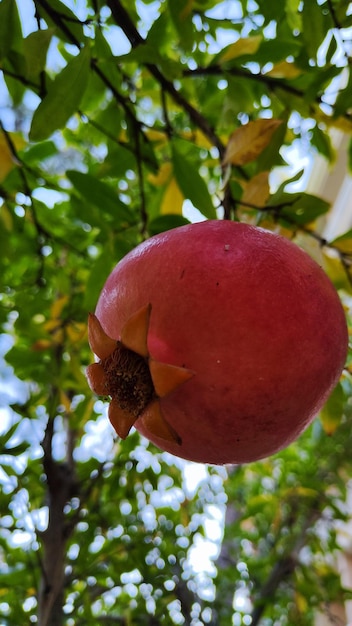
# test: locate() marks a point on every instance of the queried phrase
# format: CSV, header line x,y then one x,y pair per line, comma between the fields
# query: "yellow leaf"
x,y
6,217
341,123
76,331
248,141
248,45
31,592
284,231
343,243
256,191
58,335
332,412
301,603
41,344
198,138
123,136
299,491
7,159
248,525
173,198
65,401
284,70
55,329
58,306
163,175
334,268
52,325
156,136
330,422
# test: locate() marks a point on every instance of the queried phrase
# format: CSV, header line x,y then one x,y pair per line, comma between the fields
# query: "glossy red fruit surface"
x,y
254,320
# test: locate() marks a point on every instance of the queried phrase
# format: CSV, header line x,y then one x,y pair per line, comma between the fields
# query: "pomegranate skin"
x,y
252,315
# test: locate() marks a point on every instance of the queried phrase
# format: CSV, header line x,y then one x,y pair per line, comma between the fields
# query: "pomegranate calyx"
x,y
134,334
96,379
153,419
167,377
131,377
122,420
100,343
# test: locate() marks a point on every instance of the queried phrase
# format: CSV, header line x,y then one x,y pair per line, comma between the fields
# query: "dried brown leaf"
x,y
248,141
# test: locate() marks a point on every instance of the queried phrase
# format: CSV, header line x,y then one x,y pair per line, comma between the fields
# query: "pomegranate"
x,y
218,341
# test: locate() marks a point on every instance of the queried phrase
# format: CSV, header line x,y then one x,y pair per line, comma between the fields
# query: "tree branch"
x,y
61,486
282,570
270,81
123,20
58,19
275,210
284,566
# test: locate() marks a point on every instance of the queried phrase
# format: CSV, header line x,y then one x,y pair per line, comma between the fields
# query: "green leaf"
x,y
147,53
101,268
276,50
303,208
240,96
271,155
181,12
66,23
280,194
28,364
100,194
318,80
313,27
166,222
35,48
160,33
343,243
344,97
39,152
332,49
322,141
191,183
10,28
63,98
16,450
102,49
294,18
5,438
59,223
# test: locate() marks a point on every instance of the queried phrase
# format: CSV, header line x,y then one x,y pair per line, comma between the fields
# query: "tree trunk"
x,y
61,486
54,539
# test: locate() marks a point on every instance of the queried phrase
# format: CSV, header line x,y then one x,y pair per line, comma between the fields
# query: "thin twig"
x,y
143,203
276,211
124,21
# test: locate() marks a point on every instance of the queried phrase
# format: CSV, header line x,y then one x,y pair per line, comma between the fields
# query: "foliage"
x,y
120,119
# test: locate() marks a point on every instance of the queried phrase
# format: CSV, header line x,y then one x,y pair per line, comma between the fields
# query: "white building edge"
x,y
334,184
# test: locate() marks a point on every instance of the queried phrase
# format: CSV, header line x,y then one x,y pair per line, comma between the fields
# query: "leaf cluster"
x,y
121,120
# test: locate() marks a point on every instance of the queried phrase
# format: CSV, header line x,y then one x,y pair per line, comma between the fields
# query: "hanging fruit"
x,y
219,341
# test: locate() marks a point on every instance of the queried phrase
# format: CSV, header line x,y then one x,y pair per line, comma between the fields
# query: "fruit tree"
x,y
125,125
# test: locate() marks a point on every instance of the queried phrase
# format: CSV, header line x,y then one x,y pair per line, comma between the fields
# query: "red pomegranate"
x,y
218,341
